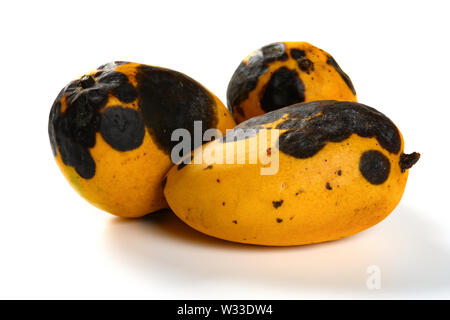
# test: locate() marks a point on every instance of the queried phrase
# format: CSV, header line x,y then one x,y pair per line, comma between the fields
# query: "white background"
x,y
53,244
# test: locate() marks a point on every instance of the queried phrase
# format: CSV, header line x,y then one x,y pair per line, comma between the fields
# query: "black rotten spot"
x,y
119,85
122,128
333,121
311,125
374,166
245,78
73,132
170,100
277,204
284,88
303,62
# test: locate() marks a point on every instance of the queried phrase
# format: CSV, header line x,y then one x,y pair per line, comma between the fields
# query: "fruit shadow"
x,y
404,248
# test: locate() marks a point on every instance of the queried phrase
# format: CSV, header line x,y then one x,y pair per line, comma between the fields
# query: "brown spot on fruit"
x,y
245,78
277,204
122,128
332,121
166,94
303,62
283,89
374,166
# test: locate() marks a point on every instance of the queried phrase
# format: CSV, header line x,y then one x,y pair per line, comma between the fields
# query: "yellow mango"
x,y
283,73
110,132
340,170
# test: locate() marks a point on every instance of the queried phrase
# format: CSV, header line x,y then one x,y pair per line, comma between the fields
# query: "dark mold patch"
x,y
73,132
78,157
283,89
277,204
125,92
279,220
54,114
339,172
119,85
303,62
334,122
374,166
112,77
122,128
311,125
408,160
234,221
170,100
343,75
245,78
63,130
328,186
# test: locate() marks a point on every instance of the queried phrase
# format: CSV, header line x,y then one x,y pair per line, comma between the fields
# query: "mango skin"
x,y
284,73
122,175
314,199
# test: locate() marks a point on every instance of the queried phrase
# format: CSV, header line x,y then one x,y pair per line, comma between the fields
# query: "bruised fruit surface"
x,y
110,132
341,170
284,73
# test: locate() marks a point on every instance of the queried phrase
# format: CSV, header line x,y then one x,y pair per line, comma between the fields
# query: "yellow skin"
x,y
128,183
321,80
321,198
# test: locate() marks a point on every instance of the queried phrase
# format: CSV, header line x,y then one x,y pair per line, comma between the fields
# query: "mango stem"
x,y
408,160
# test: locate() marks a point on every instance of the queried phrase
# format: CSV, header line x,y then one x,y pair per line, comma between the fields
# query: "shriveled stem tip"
x,y
408,160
